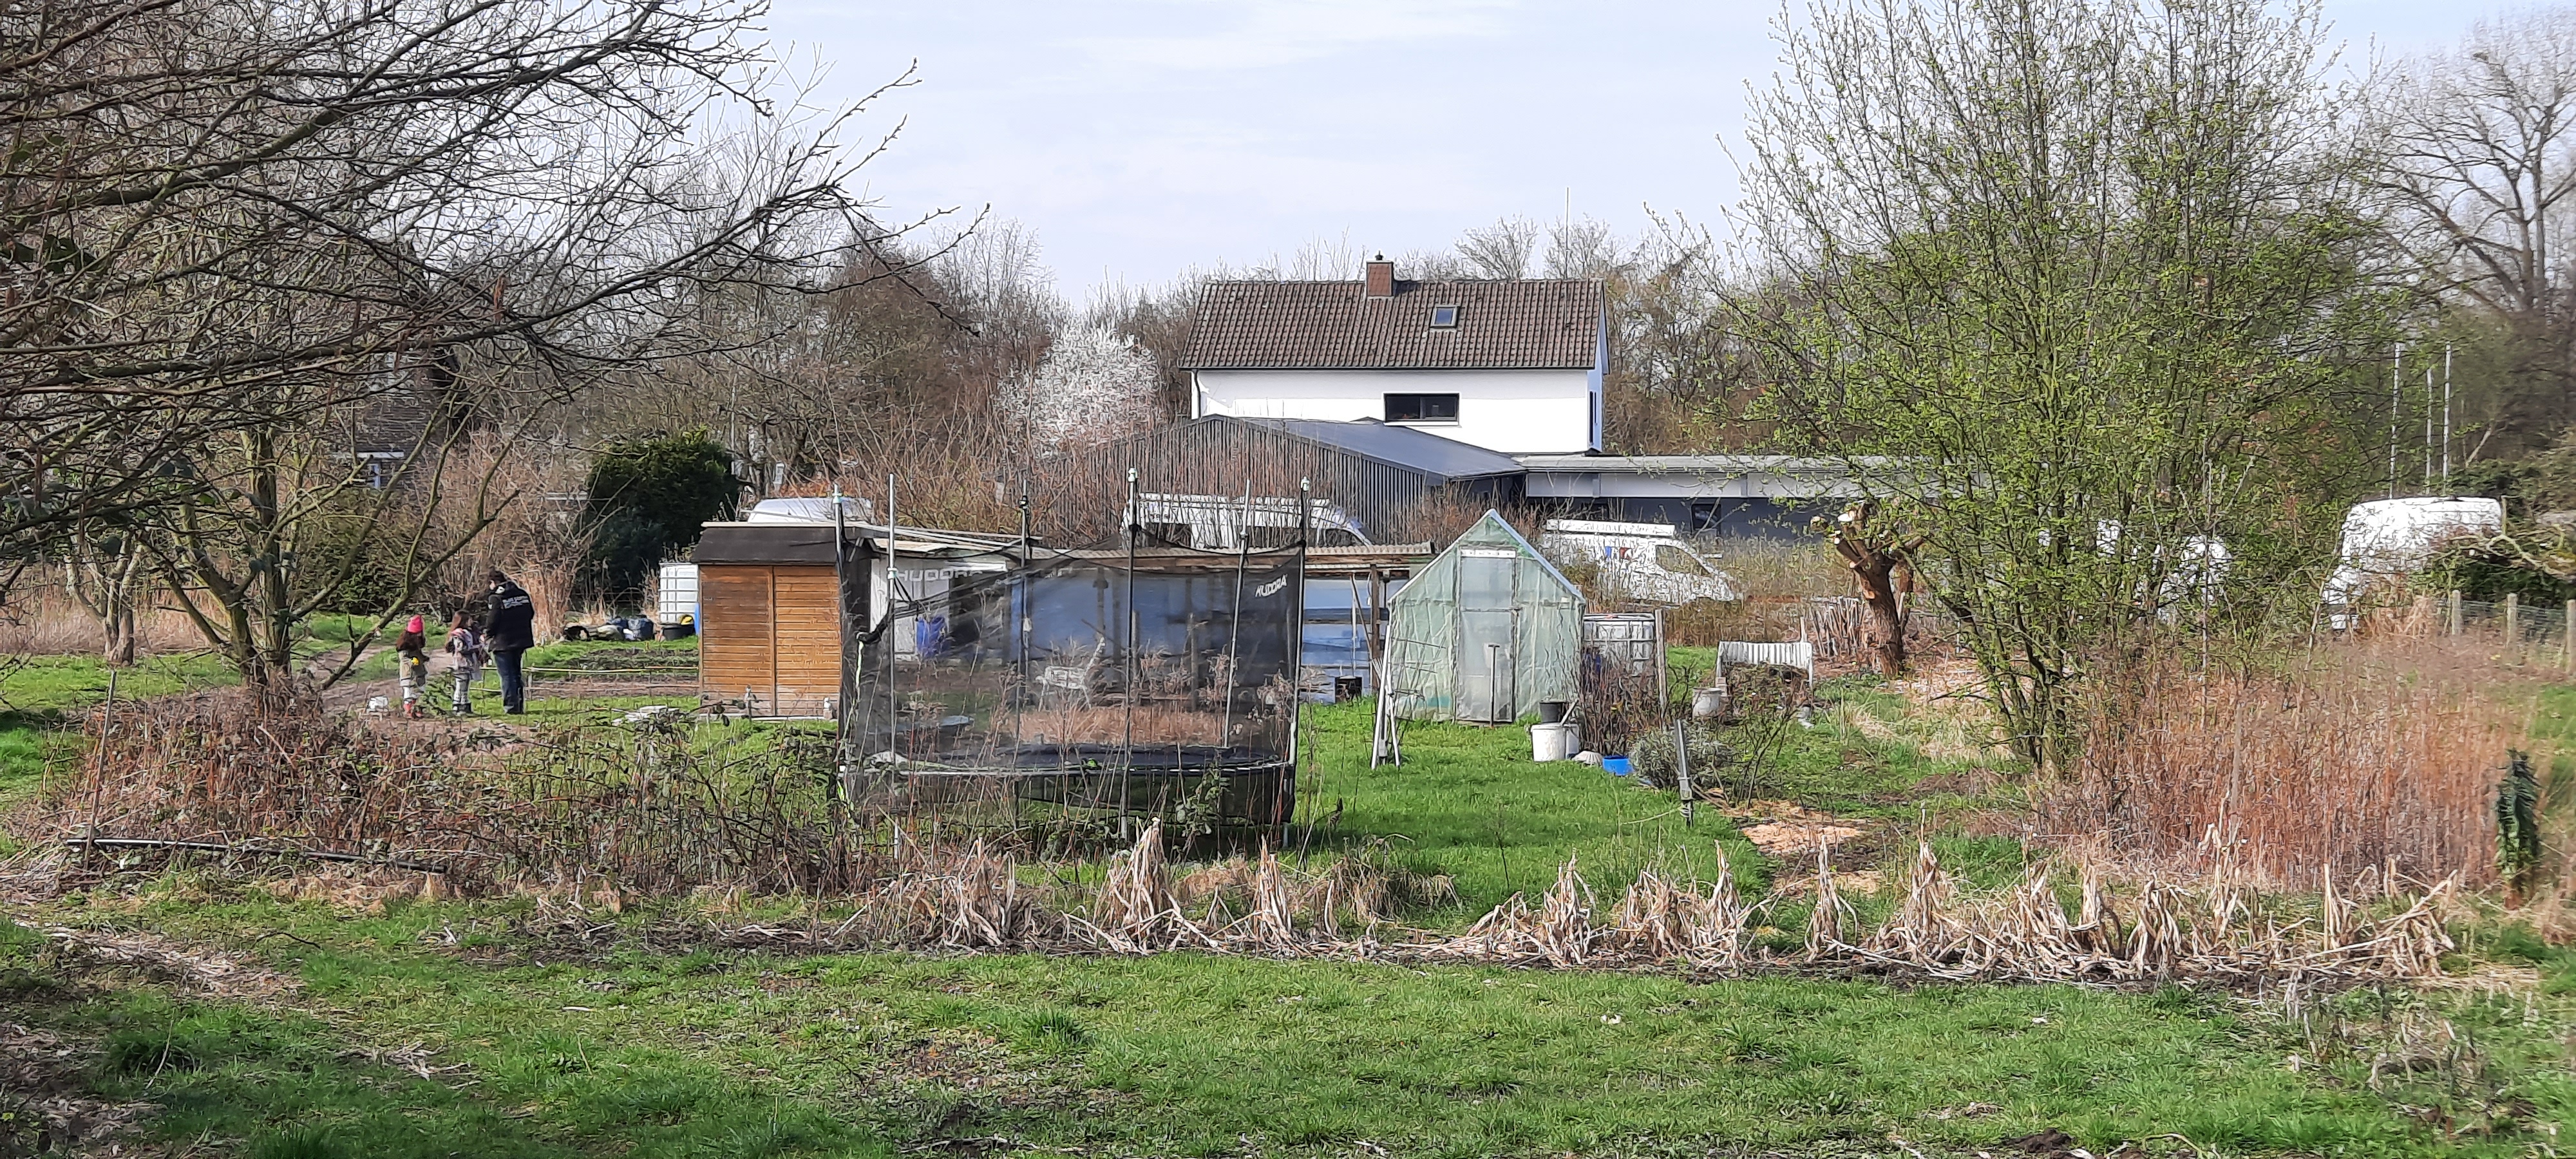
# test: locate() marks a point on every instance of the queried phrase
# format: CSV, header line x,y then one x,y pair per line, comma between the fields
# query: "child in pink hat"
x,y
412,652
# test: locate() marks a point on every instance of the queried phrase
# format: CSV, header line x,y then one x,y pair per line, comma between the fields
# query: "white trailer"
x,y
2387,540
1642,561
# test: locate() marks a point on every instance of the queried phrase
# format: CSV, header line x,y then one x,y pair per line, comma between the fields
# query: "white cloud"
x,y
1275,33
1139,138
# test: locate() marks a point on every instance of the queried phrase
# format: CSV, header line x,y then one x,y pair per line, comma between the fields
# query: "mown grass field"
x,y
614,1050
538,1044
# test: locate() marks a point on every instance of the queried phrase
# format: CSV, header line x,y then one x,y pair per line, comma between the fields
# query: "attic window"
x,y
1422,408
1444,317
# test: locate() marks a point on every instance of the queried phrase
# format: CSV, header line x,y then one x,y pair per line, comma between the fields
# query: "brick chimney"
x,y
1381,278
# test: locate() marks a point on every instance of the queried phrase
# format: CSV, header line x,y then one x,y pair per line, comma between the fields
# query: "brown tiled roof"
x,y
1502,325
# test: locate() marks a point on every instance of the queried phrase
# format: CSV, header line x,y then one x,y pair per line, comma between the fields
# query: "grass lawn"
x,y
619,1045
38,694
627,1050
1468,801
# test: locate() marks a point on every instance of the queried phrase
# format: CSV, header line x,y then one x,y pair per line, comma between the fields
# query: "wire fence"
x,y
2538,631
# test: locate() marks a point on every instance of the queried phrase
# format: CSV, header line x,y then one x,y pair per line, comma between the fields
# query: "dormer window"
x,y
1444,317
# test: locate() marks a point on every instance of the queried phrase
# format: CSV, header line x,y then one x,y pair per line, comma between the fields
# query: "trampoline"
x,y
1137,677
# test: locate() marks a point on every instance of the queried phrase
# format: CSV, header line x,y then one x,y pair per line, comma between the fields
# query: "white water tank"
x,y
678,594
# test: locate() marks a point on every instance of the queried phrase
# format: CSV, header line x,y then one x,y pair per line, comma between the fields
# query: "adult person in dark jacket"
x,y
510,632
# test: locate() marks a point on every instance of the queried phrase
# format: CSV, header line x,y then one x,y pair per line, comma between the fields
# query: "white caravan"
x,y
1217,523
1643,561
2390,539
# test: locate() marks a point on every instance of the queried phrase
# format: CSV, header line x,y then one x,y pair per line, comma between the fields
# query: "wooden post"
x,y
2451,616
2513,624
1681,763
2571,639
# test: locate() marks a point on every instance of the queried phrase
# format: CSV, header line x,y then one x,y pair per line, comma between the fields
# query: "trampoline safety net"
x,y
1144,678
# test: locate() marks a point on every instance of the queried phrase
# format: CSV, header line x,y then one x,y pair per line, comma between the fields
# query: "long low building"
x,y
1730,496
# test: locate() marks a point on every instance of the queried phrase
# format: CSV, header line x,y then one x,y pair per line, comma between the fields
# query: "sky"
x,y
1142,139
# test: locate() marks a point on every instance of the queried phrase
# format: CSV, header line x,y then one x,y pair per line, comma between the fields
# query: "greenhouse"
x,y
1485,632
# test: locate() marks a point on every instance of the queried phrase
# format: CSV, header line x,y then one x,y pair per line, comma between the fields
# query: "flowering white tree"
x,y
1093,385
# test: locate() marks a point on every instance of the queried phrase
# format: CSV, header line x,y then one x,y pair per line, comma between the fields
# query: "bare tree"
x,y
1583,247
2479,151
107,571
232,230
1500,250
2476,156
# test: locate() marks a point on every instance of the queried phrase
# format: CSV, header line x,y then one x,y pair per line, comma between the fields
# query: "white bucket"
x,y
1551,742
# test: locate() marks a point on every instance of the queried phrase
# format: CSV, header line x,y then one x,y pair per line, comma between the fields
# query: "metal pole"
x,y
1127,740
2513,624
2571,638
2446,417
894,706
1234,631
1020,613
1296,633
841,620
2396,372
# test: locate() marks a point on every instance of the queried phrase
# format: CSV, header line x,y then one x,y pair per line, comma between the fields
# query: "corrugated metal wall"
x,y
1220,456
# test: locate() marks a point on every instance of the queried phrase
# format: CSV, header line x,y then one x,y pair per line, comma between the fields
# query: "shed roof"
x,y
723,543
1501,325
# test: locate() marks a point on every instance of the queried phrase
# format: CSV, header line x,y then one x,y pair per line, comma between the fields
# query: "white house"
x,y
1511,366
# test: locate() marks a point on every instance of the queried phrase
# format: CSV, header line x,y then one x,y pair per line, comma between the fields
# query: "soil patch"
x,y
45,1107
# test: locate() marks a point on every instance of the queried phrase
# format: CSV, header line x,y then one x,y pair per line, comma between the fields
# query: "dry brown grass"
x,y
2380,757
44,621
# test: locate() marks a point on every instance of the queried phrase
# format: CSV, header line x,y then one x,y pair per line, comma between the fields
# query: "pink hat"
x,y
413,626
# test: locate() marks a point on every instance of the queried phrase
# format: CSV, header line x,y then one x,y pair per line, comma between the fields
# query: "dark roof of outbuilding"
x,y
722,543
1502,325
1420,451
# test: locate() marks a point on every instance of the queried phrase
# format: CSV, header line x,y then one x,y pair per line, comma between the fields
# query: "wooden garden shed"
x,y
769,616
769,630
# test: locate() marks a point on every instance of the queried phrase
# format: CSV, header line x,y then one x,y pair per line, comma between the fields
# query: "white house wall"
x,y
1516,412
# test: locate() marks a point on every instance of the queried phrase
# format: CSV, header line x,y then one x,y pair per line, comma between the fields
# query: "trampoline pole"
x,y
1234,633
1296,644
894,710
1018,609
1127,742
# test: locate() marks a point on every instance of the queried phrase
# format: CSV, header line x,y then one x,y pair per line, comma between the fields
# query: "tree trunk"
x,y
119,627
1887,620
1874,558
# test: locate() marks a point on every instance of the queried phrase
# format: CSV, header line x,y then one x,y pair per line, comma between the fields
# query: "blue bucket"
x,y
1617,766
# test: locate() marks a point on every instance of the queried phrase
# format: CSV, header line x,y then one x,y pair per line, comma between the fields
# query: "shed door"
x,y
1488,617
737,653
